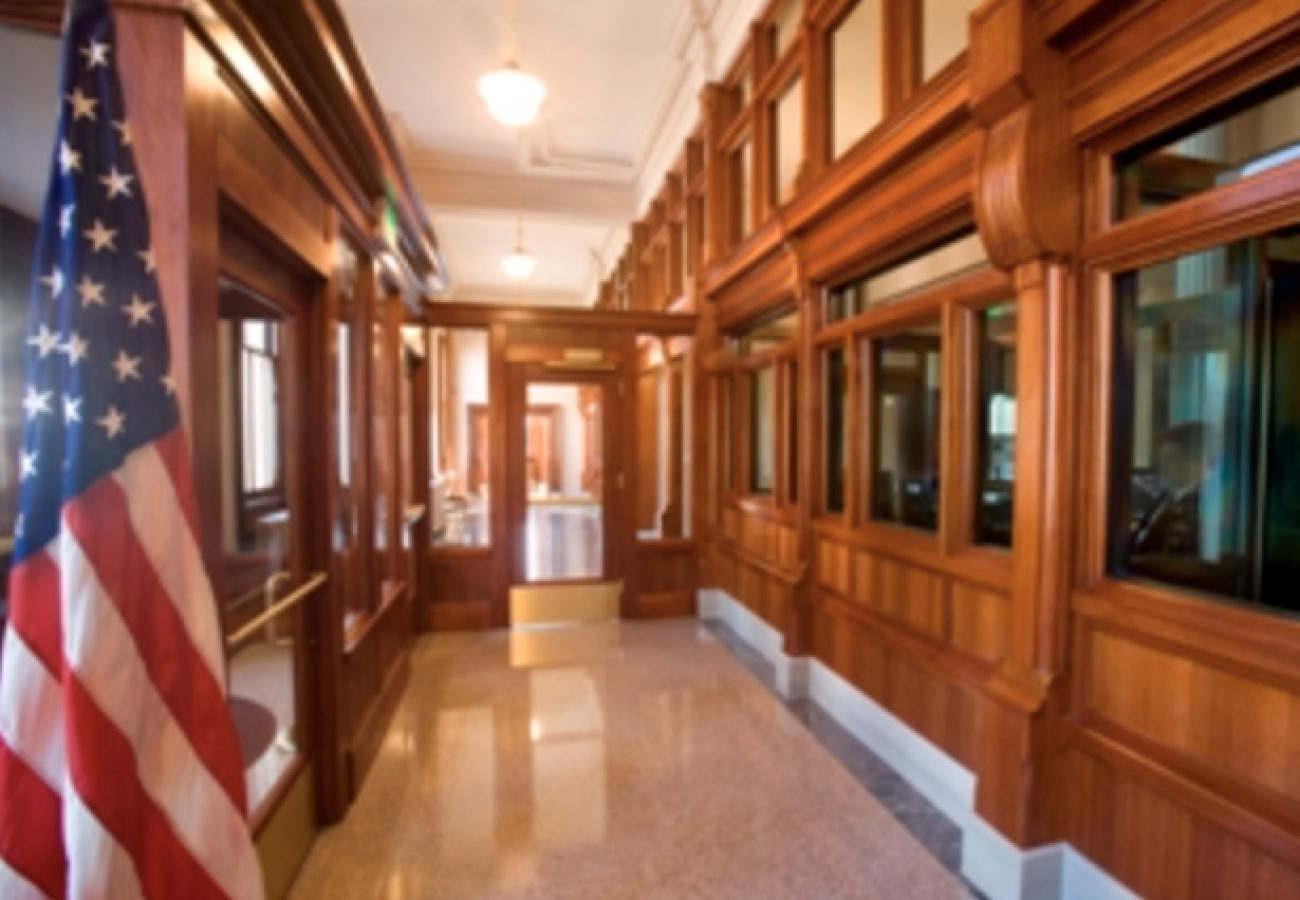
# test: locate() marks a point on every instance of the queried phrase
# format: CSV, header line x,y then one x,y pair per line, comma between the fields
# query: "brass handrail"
x,y
288,603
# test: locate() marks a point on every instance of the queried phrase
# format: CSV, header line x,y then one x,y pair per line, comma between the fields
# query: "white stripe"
x,y
31,714
98,868
15,887
160,525
101,649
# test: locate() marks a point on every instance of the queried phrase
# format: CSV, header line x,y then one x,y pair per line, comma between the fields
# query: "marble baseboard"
x,y
998,868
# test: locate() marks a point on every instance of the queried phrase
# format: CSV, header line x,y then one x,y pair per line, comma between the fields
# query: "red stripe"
x,y
102,764
31,834
35,610
175,453
175,667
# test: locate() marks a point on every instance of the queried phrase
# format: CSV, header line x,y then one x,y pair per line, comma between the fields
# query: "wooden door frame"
x,y
519,376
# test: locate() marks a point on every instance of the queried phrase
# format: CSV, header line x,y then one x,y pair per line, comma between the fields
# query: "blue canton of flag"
x,y
98,370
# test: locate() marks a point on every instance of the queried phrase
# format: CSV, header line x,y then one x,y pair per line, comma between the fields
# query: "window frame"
x,y
956,304
1112,247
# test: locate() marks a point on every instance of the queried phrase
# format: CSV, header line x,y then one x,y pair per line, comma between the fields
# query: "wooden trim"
x,y
482,315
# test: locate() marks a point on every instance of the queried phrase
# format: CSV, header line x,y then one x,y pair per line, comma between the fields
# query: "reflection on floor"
x,y
261,698
621,760
564,541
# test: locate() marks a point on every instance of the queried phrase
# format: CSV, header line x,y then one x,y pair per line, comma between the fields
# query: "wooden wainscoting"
x,y
376,668
664,579
758,561
458,590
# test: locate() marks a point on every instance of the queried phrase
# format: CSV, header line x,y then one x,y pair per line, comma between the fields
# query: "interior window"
x,y
1208,422
945,28
907,413
837,432
997,426
763,431
950,259
460,505
857,103
742,170
788,116
1247,138
786,27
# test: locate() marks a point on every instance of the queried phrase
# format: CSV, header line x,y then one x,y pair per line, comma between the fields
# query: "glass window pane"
x,y
788,113
461,514
837,432
997,427
946,28
742,181
786,27
856,69
907,413
763,431
1250,137
949,260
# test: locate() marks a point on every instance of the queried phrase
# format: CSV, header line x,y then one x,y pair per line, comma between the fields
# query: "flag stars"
x,y
69,159
65,220
83,107
96,54
37,403
27,467
76,348
126,366
117,183
45,341
169,384
92,294
54,281
71,410
139,311
101,237
113,423
124,132
150,261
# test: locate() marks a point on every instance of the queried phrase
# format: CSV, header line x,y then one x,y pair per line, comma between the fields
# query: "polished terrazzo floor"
x,y
632,760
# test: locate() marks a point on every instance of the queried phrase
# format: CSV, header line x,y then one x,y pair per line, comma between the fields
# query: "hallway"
x,y
628,760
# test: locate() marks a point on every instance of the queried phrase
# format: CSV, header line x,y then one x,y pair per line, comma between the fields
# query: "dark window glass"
x,y
1208,422
908,394
1254,134
997,426
837,432
763,431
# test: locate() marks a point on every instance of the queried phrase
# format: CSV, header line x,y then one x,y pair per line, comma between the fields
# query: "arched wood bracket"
x,y
1028,184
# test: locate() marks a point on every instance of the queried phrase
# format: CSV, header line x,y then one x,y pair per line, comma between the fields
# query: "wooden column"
x,y
1027,199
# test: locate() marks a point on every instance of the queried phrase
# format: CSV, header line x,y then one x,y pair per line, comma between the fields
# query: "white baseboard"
x,y
1000,869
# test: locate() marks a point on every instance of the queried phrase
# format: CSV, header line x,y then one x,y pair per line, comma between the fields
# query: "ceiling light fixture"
x,y
519,265
513,97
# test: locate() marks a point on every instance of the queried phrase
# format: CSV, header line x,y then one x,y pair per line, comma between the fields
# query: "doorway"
x,y
562,507
266,561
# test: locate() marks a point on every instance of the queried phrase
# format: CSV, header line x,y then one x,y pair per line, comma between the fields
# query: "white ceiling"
x,y
29,71
624,79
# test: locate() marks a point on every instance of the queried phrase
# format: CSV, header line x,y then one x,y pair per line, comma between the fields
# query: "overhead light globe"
x,y
519,265
513,97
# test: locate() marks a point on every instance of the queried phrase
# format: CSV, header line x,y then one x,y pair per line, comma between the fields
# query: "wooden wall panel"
x,y
666,579
979,621
457,591
1238,724
245,133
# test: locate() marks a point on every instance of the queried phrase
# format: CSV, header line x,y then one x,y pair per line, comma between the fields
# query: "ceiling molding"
x,y
501,189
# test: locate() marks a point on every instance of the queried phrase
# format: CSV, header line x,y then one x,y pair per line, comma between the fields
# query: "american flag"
x,y
120,772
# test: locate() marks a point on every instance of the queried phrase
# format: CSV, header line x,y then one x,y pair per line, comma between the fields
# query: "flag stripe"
x,y
174,451
156,512
15,887
40,624
102,654
31,844
122,804
183,682
32,725
103,870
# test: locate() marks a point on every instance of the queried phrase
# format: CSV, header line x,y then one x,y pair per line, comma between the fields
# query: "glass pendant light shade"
x,y
513,97
519,265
